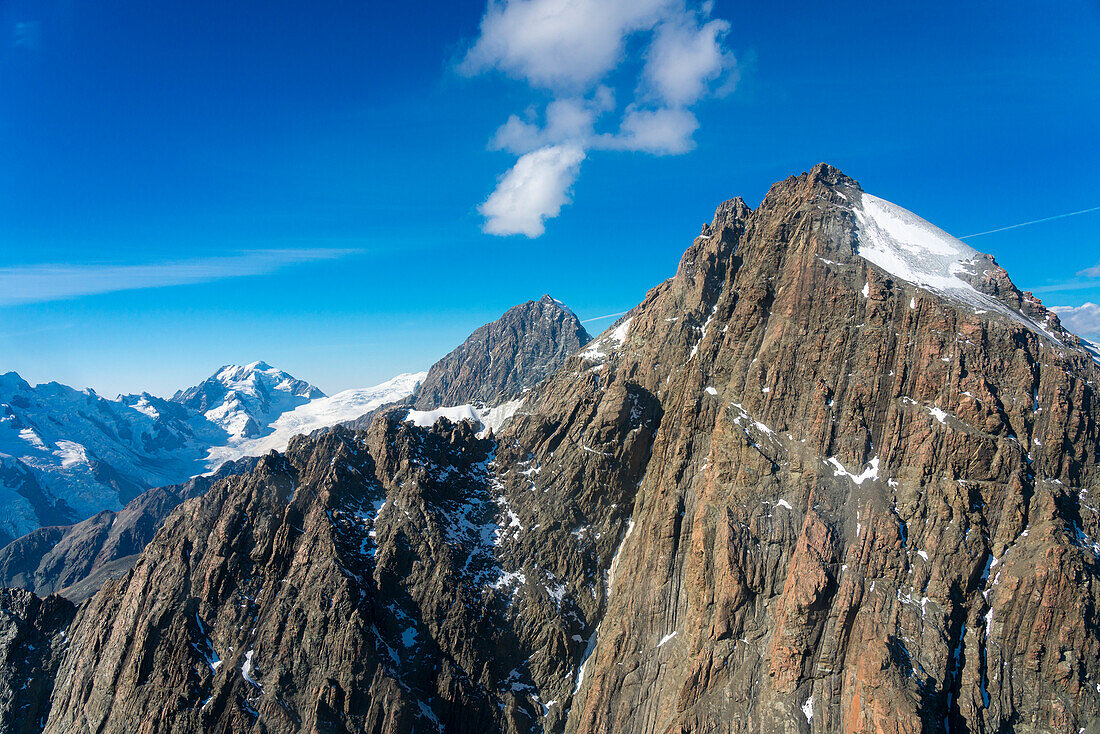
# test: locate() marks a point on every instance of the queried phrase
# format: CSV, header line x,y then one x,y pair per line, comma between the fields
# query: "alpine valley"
x,y
837,474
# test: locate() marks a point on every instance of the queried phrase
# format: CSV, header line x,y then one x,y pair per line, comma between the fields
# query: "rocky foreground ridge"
x,y
792,490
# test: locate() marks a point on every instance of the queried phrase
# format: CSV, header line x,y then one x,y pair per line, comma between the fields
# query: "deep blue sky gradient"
x,y
135,132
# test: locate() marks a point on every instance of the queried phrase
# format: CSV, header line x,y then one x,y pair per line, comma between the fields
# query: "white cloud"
x,y
567,120
574,49
1083,320
559,44
685,58
534,189
1086,279
46,282
660,132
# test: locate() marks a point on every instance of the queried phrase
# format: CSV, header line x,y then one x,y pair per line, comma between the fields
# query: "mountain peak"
x,y
787,478
504,357
830,175
245,399
11,381
549,300
546,302
729,211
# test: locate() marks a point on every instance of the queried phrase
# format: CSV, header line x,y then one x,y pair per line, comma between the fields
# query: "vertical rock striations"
x,y
873,510
838,474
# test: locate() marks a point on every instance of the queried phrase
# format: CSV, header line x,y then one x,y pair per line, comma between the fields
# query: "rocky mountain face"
x,y
484,379
32,643
838,474
504,357
875,508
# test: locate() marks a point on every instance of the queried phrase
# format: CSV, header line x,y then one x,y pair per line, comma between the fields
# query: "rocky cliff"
x,y
32,642
838,474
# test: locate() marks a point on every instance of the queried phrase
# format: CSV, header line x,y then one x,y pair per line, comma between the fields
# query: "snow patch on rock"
x,y
916,251
484,419
596,351
869,472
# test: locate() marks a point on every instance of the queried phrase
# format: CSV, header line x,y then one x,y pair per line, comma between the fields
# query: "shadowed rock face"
x,y
32,641
504,357
787,492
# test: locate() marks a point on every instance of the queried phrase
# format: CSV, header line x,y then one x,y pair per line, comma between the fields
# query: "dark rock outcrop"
x,y
32,642
503,358
789,491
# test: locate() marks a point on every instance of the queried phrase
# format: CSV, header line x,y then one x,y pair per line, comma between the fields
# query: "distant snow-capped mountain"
x,y
67,454
316,414
86,453
245,400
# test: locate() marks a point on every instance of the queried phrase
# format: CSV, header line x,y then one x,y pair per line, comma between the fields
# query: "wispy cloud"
x,y
35,330
1093,272
1086,279
1037,221
53,282
574,50
26,35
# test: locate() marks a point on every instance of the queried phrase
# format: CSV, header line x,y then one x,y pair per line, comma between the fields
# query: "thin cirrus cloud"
x,y
46,282
1086,279
573,49
1093,272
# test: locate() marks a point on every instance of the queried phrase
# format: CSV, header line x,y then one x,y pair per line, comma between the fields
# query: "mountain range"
x,y
67,454
837,474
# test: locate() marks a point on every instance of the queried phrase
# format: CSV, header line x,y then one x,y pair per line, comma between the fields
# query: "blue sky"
x,y
336,159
